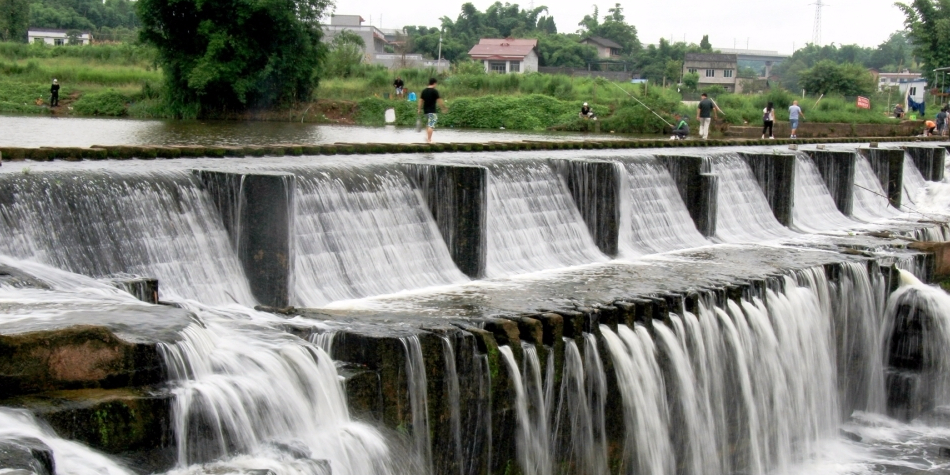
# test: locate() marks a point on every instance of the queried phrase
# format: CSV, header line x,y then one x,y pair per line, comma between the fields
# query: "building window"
x,y
883,79
58,42
913,91
710,73
497,67
727,73
692,70
515,67
614,52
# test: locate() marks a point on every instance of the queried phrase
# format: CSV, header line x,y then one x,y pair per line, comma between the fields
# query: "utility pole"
x,y
438,66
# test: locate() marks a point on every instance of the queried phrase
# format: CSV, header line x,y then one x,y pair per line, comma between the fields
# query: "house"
x,y
506,55
373,38
606,49
885,80
713,69
58,37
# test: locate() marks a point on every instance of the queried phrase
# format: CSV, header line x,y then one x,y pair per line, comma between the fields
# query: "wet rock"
x,y
143,288
850,435
27,455
12,277
72,358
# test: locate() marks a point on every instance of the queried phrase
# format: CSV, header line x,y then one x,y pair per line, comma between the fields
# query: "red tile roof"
x,y
502,48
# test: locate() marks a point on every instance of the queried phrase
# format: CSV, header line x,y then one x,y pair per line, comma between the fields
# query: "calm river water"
x,y
19,131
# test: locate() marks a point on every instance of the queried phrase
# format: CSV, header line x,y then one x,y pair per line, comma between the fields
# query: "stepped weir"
x,y
697,311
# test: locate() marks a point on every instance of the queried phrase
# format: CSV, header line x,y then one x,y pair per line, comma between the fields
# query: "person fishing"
x,y
54,94
682,128
586,112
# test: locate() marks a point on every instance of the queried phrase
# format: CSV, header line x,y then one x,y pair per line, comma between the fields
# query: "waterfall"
x,y
158,224
418,399
532,436
364,233
479,419
870,199
71,458
578,421
646,414
533,222
814,209
243,401
659,220
913,182
452,389
743,213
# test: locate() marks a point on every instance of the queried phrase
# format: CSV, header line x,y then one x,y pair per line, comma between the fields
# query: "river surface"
x,y
19,131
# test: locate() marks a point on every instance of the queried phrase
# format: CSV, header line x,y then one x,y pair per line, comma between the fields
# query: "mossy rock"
x,y
477,147
254,151
295,150
215,152
14,153
328,150
39,155
145,153
95,154
236,152
168,152
310,149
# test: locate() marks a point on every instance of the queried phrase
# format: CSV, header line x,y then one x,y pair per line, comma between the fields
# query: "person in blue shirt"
x,y
682,128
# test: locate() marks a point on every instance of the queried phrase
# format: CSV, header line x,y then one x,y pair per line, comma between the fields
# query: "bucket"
x,y
913,117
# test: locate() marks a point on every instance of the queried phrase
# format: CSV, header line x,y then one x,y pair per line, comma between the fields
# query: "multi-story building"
x,y
713,69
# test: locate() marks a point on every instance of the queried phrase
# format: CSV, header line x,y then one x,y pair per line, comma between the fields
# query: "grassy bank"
x,y
122,80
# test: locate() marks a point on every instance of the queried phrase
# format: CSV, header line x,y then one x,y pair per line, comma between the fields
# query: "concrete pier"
x,y
930,161
888,165
257,210
776,176
837,171
597,190
457,197
698,188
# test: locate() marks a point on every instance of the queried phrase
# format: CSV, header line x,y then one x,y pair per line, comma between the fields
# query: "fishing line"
x,y
641,103
933,217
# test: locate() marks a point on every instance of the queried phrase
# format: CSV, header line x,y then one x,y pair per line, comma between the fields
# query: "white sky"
x,y
774,25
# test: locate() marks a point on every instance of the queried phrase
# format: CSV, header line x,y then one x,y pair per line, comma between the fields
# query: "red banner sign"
x,y
864,103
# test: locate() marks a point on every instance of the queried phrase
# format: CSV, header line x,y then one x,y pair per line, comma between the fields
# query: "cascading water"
x,y
364,233
659,221
534,452
246,402
418,399
452,389
157,224
743,214
913,182
579,419
870,200
533,222
814,209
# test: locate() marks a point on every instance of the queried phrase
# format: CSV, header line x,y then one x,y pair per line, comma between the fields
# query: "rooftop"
x,y
503,47
602,42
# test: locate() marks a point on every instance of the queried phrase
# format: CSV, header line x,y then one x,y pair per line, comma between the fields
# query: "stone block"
x,y
698,188
775,174
888,165
597,189
837,171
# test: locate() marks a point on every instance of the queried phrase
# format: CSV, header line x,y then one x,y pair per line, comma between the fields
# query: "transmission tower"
x,y
816,36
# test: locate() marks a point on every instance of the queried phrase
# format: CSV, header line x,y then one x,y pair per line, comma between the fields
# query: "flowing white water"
x,y
418,399
452,390
646,415
364,233
870,200
249,397
578,421
914,182
659,220
814,209
157,224
533,223
532,437
743,213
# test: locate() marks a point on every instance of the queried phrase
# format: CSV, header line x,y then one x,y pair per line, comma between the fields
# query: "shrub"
x,y
108,103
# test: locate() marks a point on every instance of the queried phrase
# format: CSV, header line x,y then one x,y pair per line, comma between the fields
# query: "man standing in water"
x,y
54,94
429,99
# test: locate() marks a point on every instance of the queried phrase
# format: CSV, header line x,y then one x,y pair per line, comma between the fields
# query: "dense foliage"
x,y
231,55
928,26
14,20
83,14
829,77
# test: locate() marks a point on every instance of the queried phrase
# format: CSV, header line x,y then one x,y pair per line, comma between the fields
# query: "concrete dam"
x,y
687,311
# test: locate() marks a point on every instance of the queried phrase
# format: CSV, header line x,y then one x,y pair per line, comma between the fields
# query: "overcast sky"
x,y
765,24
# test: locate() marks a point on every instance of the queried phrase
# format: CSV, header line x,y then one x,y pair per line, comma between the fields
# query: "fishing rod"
x,y
641,103
910,208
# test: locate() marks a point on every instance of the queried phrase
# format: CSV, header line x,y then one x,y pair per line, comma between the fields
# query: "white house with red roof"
x,y
506,55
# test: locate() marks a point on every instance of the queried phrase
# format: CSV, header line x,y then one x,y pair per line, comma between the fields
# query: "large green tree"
x,y
829,77
83,14
14,20
928,27
227,55
613,27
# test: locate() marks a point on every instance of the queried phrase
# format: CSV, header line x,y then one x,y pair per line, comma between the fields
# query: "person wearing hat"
x,y
54,94
586,113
